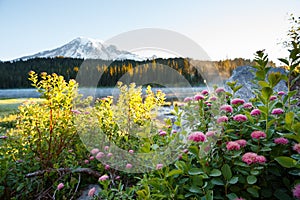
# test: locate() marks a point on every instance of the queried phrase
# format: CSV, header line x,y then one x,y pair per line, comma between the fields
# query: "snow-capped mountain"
x,y
88,49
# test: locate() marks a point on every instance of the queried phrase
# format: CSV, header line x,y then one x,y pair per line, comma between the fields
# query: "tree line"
x,y
14,74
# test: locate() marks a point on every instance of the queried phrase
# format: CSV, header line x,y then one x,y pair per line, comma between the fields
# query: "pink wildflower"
x,y
109,155
219,90
103,178
247,105
131,151
94,151
106,148
227,108
213,98
222,119
128,166
92,192
3,137
173,131
240,118
76,112
204,92
187,99
277,111
210,133
159,166
272,98
208,104
92,158
232,146
281,140
107,167
100,155
237,101
255,112
198,97
260,159
60,186
86,161
296,147
241,142
162,133
296,191
118,177
185,150
249,158
258,135
197,137
281,93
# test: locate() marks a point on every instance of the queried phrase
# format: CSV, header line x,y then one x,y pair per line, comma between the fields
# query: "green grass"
x,y
9,106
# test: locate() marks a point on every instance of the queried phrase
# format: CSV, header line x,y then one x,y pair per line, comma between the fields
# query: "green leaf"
x,y
215,172
292,93
295,172
195,189
263,84
289,118
286,161
253,192
194,150
267,92
231,196
286,62
195,171
217,181
274,78
251,179
281,194
235,89
234,180
254,172
174,172
226,171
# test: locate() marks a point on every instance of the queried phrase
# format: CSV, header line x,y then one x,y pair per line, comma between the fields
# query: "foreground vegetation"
x,y
218,147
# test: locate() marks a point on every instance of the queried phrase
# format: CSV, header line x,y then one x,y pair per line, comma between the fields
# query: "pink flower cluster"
x,y
197,137
296,191
272,98
104,178
222,119
240,118
204,92
162,133
281,140
227,108
277,111
187,99
255,112
247,105
251,158
281,93
219,90
60,186
237,101
92,192
198,97
159,166
232,146
236,145
296,147
258,135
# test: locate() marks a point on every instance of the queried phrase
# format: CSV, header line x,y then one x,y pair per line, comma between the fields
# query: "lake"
x,y
171,93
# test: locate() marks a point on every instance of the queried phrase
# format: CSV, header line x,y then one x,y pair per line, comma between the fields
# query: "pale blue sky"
x,y
223,28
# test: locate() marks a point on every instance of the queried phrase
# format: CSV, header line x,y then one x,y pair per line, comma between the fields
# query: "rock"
x,y
244,76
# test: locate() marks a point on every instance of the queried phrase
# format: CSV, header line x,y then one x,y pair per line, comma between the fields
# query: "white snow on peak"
x,y
87,48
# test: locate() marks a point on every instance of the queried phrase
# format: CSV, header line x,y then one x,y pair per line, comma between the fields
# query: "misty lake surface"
x,y
171,93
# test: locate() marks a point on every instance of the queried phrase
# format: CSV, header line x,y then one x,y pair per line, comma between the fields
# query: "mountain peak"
x,y
87,48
